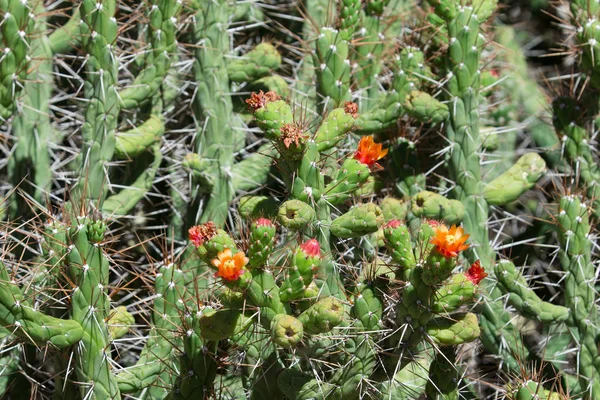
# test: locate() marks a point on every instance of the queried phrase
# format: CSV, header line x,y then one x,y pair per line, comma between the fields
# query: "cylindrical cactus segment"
x,y
286,331
398,243
432,205
358,221
322,316
332,62
261,242
303,267
454,331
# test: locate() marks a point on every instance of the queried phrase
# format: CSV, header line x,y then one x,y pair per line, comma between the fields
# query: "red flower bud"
x,y
312,248
263,222
393,224
476,273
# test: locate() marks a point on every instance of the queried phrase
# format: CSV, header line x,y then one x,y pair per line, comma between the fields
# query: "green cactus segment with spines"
x,y
576,146
286,331
88,269
15,35
295,215
519,178
409,70
199,168
393,208
432,205
413,309
358,221
398,242
302,269
580,296
210,249
212,103
272,117
367,307
333,128
262,292
22,320
369,43
458,290
66,36
258,206
525,300
161,37
253,171
261,242
349,13
322,316
119,322
425,108
32,128
585,18
332,62
131,143
443,375
347,181
218,325
159,357
101,115
451,332
532,390
258,62
376,6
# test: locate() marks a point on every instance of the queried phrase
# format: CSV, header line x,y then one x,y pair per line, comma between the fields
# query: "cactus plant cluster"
x,y
345,199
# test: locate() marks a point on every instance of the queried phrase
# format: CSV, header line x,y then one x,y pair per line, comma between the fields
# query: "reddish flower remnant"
x,y
292,133
476,273
264,222
393,224
260,99
200,233
351,108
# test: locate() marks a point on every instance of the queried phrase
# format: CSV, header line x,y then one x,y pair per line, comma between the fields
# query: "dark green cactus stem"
x,y
161,30
443,375
212,104
15,35
101,115
462,130
580,296
88,269
332,62
32,129
160,356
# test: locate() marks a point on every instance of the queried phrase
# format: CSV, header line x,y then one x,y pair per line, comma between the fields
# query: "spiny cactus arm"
x,y
525,300
332,62
252,172
124,201
17,316
457,329
443,375
454,293
348,16
160,356
263,293
257,63
462,129
305,263
532,390
212,103
358,221
580,296
585,18
348,179
368,306
66,36
162,30
88,269
16,28
322,316
101,115
427,204
425,108
398,243
32,129
334,127
131,143
519,178
408,383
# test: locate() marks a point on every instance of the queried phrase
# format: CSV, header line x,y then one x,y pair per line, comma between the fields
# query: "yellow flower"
x,y
230,267
449,242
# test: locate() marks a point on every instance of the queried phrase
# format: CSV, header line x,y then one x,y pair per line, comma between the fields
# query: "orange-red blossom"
x,y
449,242
230,267
369,152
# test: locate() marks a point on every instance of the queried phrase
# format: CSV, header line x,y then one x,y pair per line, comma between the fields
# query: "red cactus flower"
x,y
393,224
200,233
312,248
260,99
369,152
476,273
351,108
449,242
230,267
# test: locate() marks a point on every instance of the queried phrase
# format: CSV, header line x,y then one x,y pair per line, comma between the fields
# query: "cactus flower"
x,y
264,222
476,273
200,233
393,224
311,248
369,152
230,267
449,242
260,99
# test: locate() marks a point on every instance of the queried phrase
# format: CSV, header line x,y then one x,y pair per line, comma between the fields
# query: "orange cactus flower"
x,y
230,267
449,242
369,152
